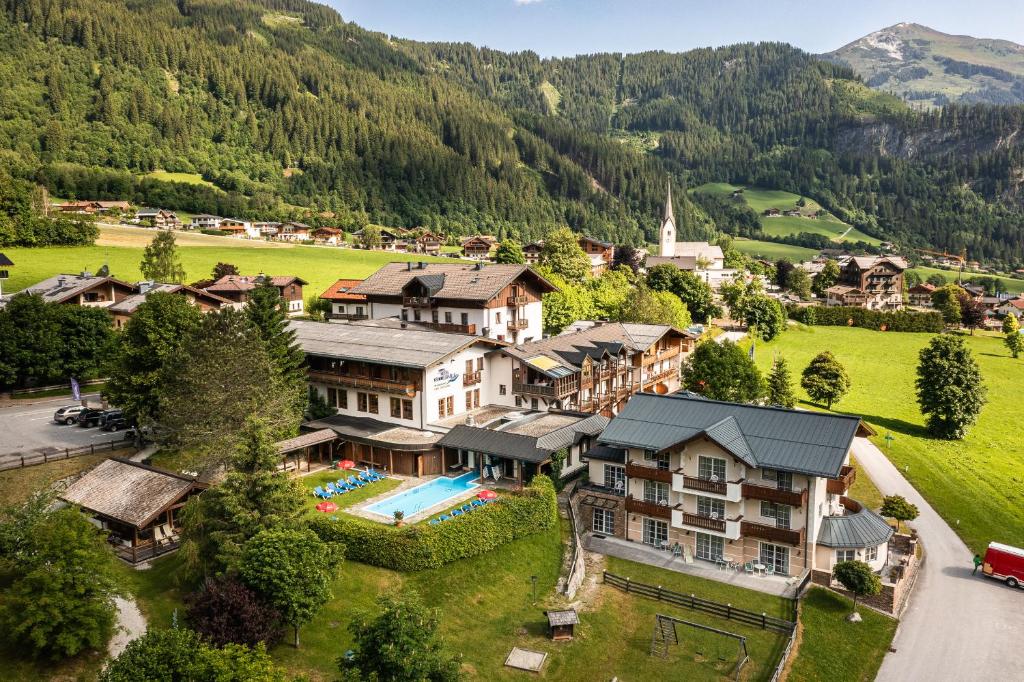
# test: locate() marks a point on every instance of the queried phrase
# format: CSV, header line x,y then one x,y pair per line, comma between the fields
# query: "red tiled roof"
x,y
339,291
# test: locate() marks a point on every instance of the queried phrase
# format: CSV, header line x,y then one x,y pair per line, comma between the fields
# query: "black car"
x,y
115,422
90,417
110,415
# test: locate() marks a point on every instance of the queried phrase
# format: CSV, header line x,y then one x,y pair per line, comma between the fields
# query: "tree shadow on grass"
x,y
897,425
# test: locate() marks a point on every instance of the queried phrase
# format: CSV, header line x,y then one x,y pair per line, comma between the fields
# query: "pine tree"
x,y
268,312
780,388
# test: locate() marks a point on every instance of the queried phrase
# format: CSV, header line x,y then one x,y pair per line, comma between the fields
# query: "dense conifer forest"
x,y
277,106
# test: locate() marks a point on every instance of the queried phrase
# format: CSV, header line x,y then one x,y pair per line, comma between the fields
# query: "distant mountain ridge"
x,y
923,65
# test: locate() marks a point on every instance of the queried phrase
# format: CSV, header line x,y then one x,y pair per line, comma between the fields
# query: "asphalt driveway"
x,y
29,430
957,626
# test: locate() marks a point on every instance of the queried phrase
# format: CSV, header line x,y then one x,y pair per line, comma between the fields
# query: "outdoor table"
x,y
730,562
760,568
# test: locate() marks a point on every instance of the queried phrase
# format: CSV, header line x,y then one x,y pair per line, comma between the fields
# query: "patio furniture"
x,y
321,493
721,563
335,489
434,522
467,507
769,570
456,512
352,480
677,550
748,568
443,517
366,481
343,484
476,503
378,474
759,567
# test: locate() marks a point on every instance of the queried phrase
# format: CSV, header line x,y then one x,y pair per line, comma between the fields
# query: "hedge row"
x,y
889,320
420,546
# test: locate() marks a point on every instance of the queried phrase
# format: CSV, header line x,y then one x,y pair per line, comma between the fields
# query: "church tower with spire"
x,y
667,239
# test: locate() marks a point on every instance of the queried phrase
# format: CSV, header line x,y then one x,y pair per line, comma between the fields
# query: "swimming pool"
x,y
415,500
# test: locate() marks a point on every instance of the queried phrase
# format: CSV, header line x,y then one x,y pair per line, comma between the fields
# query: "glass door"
x,y
775,556
655,532
784,480
709,547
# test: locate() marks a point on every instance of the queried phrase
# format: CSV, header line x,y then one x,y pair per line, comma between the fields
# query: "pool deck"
x,y
408,483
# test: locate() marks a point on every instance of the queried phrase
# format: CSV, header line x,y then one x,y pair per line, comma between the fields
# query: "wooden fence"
x,y
84,385
18,460
761,620
577,566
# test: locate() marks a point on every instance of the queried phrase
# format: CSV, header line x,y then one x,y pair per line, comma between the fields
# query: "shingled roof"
x,y
342,291
453,281
776,438
128,492
250,282
130,304
60,288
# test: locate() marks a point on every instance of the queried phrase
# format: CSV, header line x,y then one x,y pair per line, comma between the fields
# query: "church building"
x,y
703,258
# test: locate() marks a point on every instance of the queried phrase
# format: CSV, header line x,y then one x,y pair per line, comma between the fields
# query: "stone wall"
x,y
898,578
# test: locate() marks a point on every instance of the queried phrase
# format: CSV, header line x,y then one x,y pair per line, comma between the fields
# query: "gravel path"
x,y
130,625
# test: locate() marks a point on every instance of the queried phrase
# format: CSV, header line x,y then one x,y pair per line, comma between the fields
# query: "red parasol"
x,y
487,494
327,507
346,464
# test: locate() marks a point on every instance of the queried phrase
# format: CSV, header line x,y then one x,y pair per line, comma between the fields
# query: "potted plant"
x,y
399,515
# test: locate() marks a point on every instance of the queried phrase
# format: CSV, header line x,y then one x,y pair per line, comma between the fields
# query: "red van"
x,y
1004,563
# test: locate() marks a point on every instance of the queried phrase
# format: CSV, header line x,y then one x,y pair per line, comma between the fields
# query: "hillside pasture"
x,y
773,250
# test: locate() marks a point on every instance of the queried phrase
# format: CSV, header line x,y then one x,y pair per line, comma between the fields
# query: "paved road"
x,y
957,626
30,429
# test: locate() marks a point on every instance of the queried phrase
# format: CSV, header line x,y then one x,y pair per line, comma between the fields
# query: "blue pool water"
x,y
423,496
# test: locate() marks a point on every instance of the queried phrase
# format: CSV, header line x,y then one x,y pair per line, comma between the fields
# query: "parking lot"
x,y
30,430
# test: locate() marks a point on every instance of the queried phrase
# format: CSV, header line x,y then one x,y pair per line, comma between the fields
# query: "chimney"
x,y
422,265
470,420
145,285
86,273
61,280
408,266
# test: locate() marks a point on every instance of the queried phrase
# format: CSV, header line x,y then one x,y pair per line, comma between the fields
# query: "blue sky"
x,y
567,27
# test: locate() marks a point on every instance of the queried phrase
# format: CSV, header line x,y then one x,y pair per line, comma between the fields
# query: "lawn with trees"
x,y
975,481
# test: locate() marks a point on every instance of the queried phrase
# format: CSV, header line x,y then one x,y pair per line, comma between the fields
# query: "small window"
x,y
469,366
476,397
533,403
332,396
361,402
416,314
501,389
497,318
396,408
519,401
465,319
441,412
469,400
871,554
407,409
480,364
433,316
405,315
373,403
846,555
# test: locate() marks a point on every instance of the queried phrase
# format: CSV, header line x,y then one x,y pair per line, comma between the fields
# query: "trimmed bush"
x,y
890,320
414,548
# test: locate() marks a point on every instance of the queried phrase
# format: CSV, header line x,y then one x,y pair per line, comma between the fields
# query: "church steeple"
x,y
667,235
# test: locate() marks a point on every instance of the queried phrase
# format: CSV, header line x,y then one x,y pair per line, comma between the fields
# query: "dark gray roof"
x,y
861,529
532,438
375,432
606,453
568,617
789,440
4,260
491,442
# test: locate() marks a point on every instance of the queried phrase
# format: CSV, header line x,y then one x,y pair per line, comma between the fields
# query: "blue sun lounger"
x,y
434,522
476,503
344,485
443,517
467,507
456,512
336,489
320,492
352,480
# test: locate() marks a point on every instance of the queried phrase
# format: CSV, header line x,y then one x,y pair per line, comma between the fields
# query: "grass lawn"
x,y
864,490
320,266
978,481
1015,286
17,485
773,251
835,650
184,178
353,497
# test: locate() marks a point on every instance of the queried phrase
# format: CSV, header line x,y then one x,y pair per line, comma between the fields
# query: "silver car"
x,y
67,414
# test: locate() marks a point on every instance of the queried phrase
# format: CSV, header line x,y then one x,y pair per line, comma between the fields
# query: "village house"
x,y
138,505
346,305
268,230
238,288
84,289
478,247
241,229
121,311
205,221
502,302
159,218
733,484
389,382
920,295
532,251
93,206
601,254
428,243
516,447
293,232
1014,306
592,366
329,236
771,212
873,282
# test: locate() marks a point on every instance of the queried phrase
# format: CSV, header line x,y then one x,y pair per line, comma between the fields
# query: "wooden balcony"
x,y
534,389
634,470
661,376
705,522
402,386
416,301
345,316
705,486
515,301
661,355
517,325
794,498
450,327
635,506
772,534
471,378
839,486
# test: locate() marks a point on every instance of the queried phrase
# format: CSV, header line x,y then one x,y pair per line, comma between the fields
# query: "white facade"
x,y
491,323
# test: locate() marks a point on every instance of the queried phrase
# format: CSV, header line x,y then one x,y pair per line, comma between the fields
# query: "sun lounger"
x,y
434,522
320,492
343,484
467,507
365,481
378,474
336,489
443,517
476,503
352,480
456,512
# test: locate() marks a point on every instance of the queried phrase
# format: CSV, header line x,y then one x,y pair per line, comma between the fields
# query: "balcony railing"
x,y
704,485
772,534
346,316
516,325
705,522
634,470
403,386
514,301
661,511
839,486
660,376
451,328
534,389
661,355
471,378
794,498
416,301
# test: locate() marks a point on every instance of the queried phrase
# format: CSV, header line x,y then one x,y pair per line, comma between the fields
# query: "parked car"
x,y
115,422
90,417
1004,562
109,415
68,414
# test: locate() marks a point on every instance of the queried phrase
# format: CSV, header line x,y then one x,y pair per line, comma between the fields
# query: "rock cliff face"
x,y
889,139
933,68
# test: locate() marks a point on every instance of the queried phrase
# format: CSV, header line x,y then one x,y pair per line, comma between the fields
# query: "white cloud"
x,y
527,2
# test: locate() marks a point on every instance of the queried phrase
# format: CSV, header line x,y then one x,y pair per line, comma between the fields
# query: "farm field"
x,y
121,248
1015,286
773,250
975,484
760,199
184,178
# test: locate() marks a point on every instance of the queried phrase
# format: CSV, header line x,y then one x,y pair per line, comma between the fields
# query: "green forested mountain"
x,y
281,104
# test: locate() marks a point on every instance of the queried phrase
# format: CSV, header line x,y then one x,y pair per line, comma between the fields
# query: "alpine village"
x,y
331,354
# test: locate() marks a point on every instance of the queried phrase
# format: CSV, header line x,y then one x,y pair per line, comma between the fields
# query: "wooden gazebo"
x,y
136,503
307,446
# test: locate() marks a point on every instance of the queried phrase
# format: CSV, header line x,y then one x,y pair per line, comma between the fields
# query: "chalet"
x,y
346,305
601,254
478,247
502,302
771,212
592,367
792,213
873,282
733,484
517,449
920,295
159,218
428,243
138,505
389,382
390,238
206,301
331,236
84,289
93,206
268,230
204,221
1015,307
238,288
241,229
294,232
975,291
532,252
